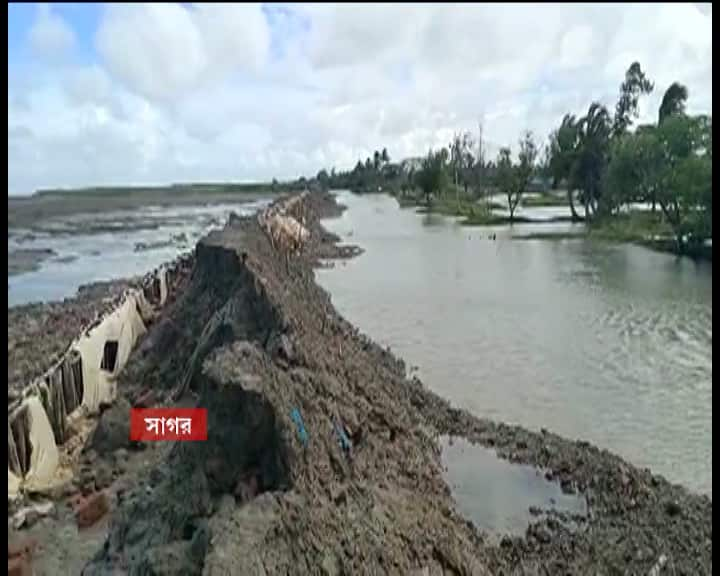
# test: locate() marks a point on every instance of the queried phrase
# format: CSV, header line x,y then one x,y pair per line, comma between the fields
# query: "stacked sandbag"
x,y
84,379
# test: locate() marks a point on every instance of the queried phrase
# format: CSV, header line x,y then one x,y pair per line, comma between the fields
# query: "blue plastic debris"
x,y
302,433
345,443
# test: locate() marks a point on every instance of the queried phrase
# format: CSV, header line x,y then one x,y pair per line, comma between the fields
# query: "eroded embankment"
x,y
322,457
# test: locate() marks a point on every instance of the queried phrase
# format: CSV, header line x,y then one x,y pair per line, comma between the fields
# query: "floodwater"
x,y
496,495
610,343
118,244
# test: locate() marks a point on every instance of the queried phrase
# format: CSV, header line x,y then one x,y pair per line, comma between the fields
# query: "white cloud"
x,y
50,36
165,50
241,92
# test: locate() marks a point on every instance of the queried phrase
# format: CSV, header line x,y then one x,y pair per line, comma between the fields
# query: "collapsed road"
x,y
322,455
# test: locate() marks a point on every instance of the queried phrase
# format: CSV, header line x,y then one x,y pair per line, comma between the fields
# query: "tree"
x,y
635,167
671,162
467,161
513,180
626,109
384,156
455,157
462,160
590,161
323,179
432,175
563,149
526,167
376,160
673,102
506,179
685,179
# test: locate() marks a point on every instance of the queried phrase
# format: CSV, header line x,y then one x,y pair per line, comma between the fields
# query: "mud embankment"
x,y
322,456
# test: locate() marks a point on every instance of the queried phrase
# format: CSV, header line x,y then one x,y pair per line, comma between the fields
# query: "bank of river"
x,y
611,343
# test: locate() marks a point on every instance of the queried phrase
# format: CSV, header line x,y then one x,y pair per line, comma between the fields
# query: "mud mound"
x,y
319,453
113,429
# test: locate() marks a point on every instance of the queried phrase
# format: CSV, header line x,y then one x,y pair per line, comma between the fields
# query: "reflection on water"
x,y
94,247
609,343
496,494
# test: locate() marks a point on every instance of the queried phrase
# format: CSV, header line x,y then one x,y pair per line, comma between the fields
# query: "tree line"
x,y
603,161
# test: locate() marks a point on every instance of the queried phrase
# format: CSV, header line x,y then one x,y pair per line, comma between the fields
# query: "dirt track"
x,y
361,489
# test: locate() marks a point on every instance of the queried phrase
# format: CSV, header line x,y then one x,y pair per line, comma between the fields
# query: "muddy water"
x,y
93,247
497,495
608,343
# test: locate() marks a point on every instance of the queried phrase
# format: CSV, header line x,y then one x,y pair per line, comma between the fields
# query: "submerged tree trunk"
x,y
673,219
575,216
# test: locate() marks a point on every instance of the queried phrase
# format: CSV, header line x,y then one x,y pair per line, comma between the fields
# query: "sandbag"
x,y
124,326
162,275
44,455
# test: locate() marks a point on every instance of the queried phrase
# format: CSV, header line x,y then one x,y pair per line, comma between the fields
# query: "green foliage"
x,y
603,163
673,102
432,177
636,226
591,157
563,149
511,179
670,163
626,109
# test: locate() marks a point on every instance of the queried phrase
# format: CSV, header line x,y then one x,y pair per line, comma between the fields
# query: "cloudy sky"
x,y
144,94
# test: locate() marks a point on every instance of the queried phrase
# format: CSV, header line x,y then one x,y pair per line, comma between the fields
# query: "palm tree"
x,y
563,150
593,145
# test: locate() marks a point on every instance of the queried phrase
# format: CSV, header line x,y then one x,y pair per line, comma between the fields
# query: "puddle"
x,y
496,495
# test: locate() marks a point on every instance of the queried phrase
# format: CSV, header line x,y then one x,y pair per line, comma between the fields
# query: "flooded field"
x,y
56,256
611,343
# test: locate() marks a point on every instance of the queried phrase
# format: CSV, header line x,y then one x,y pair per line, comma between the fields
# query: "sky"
x,y
157,93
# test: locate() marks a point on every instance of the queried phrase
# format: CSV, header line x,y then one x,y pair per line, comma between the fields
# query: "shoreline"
x,y
284,345
667,246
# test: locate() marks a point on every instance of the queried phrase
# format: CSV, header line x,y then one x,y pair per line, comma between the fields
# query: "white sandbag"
x,y
13,485
146,310
44,456
124,326
162,275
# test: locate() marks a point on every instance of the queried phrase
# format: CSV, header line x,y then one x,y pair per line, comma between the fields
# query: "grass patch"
x,y
484,219
637,226
543,200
